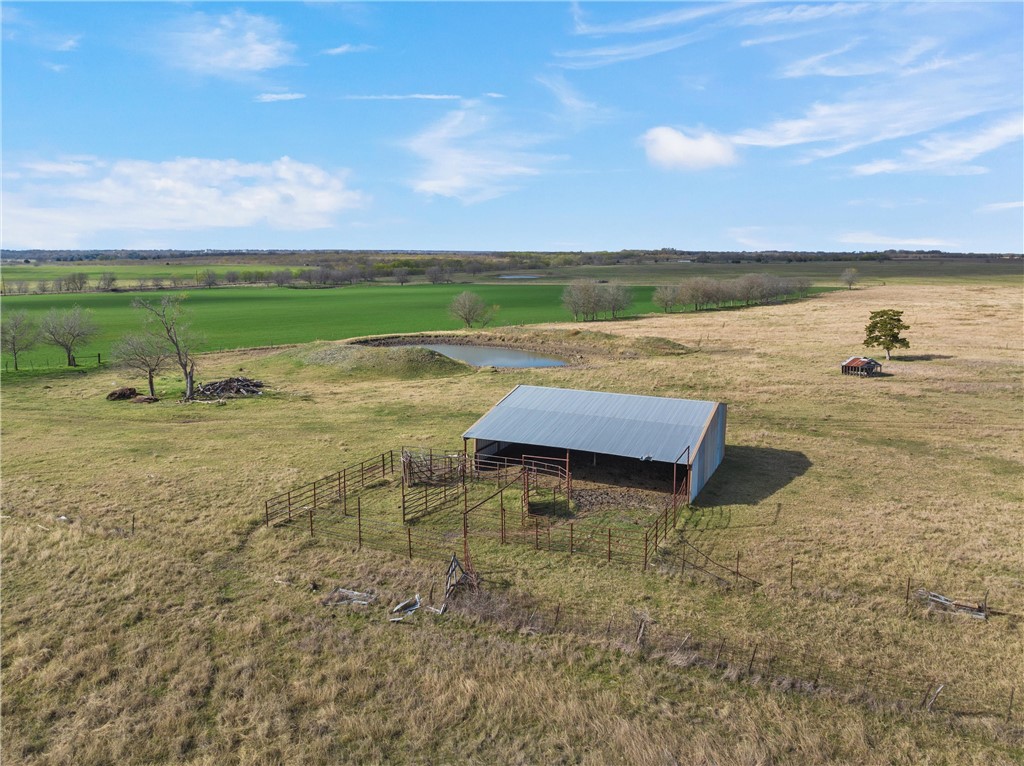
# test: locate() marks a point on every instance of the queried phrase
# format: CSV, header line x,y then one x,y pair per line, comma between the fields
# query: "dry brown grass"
x,y
178,645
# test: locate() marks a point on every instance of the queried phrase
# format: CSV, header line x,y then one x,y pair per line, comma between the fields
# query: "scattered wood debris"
x,y
341,596
406,608
119,394
229,388
979,610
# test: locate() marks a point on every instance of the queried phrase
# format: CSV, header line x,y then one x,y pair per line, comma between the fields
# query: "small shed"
x,y
684,435
860,365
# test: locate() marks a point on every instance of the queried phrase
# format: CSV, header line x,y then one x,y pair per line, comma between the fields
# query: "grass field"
x,y
247,317
198,640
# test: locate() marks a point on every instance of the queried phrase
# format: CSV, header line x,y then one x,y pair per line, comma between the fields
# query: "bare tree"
x,y
282,277
583,298
67,329
471,308
208,278
157,282
76,282
42,286
106,281
401,275
850,277
667,297
616,298
231,277
145,352
168,318
435,275
18,333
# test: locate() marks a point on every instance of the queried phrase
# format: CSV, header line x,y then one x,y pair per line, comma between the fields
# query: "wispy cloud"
x,y
58,68
591,58
999,207
577,109
949,154
67,44
348,48
799,14
65,202
672,149
651,23
881,240
468,158
228,45
268,98
756,238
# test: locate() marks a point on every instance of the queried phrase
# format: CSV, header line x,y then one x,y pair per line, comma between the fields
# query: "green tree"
x,y
884,328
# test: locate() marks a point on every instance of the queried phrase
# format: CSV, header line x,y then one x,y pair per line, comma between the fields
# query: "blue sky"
x,y
535,126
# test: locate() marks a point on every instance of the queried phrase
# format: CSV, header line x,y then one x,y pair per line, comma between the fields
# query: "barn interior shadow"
x,y
749,475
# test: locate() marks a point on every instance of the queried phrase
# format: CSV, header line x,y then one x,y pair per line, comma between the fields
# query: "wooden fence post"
x,y
737,569
502,520
570,539
1009,707
753,654
314,494
609,543
408,532
359,522
289,505
907,599
645,549
266,505
311,521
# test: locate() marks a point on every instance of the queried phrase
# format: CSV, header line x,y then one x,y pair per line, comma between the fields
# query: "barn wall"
x,y
709,453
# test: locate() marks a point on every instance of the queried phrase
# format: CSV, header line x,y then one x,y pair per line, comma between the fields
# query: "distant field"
x,y
244,317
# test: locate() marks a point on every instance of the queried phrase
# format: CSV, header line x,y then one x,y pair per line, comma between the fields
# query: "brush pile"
x,y
229,388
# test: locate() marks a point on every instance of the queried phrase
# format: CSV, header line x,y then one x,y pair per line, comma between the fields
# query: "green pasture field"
x,y
128,272
150,616
246,317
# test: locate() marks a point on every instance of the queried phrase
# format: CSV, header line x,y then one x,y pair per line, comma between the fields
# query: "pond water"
x,y
494,356
519,276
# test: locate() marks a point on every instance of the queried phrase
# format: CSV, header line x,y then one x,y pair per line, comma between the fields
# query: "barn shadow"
x,y
749,475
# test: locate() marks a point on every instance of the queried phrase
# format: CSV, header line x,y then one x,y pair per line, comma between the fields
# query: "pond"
x,y
494,356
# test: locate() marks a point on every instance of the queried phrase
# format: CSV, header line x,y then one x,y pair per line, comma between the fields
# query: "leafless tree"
x,y
471,308
583,298
435,275
76,282
231,277
849,277
667,297
616,299
106,281
401,275
145,352
42,286
18,333
282,277
157,282
68,328
208,278
168,320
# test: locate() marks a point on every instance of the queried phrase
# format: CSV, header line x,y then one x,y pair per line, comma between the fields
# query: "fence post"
x,y
753,654
392,460
465,537
266,506
502,519
359,522
907,599
609,543
1009,707
99,359
289,505
737,569
314,494
344,491
408,532
536,534
383,469
645,548
133,533
570,538
311,521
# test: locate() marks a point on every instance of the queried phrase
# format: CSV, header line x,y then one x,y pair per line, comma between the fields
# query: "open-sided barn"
x,y
687,436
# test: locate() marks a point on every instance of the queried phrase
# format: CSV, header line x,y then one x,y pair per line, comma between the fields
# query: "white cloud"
x,y
998,207
348,48
66,202
798,14
591,58
949,154
58,68
468,159
647,23
674,150
67,44
407,97
880,240
228,45
267,98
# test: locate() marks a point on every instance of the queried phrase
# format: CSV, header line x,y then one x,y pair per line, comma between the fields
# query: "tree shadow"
x,y
920,357
749,475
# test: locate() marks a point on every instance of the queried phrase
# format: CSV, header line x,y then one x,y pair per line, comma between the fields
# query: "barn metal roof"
x,y
627,425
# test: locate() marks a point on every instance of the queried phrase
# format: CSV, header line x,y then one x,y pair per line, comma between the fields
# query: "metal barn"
x,y
686,436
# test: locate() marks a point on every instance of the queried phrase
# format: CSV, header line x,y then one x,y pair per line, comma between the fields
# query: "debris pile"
x,y
979,610
341,596
144,399
119,394
231,387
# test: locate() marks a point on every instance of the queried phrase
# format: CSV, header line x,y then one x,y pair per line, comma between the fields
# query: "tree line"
x,y
749,290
